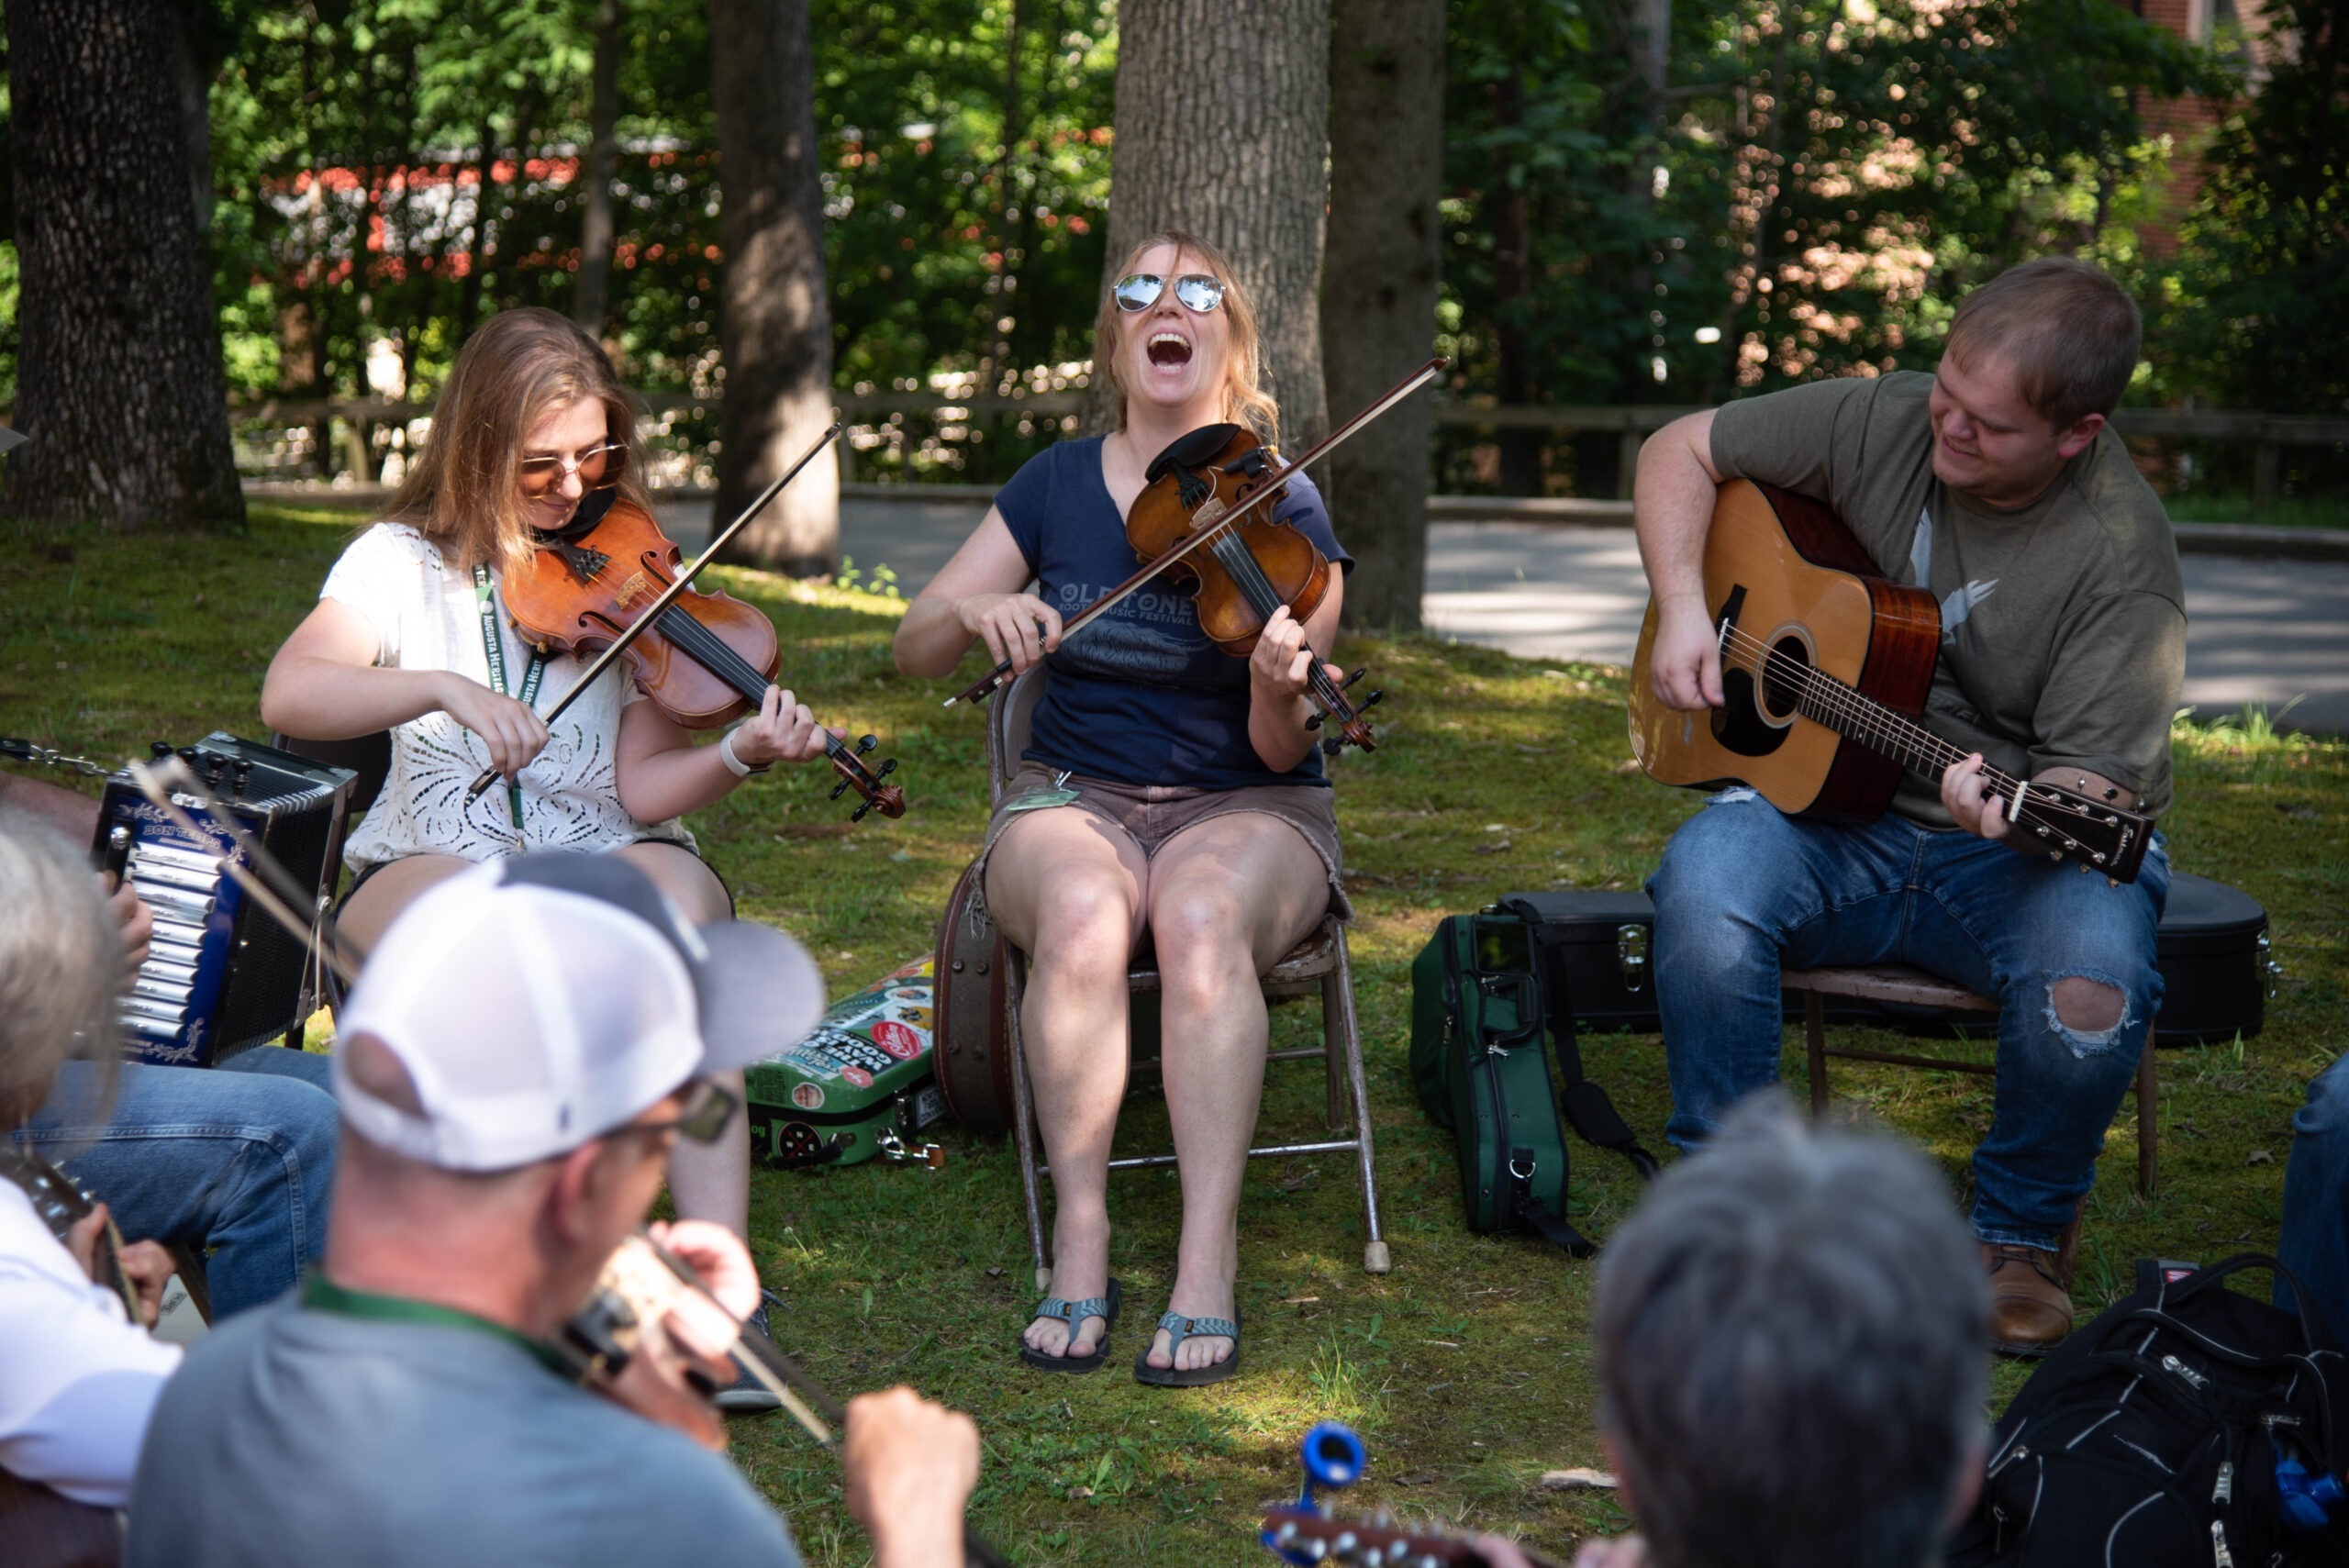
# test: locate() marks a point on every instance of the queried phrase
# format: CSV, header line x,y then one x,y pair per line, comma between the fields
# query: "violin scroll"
x,y
887,798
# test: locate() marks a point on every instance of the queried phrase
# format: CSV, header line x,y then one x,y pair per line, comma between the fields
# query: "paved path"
x,y
2257,631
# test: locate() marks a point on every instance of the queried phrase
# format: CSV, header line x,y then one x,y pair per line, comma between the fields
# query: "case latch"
x,y
1632,956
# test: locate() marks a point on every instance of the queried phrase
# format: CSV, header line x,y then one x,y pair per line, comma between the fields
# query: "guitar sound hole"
x,y
1782,678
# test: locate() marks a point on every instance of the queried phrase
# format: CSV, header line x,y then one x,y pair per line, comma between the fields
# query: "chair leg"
x,y
1023,1115
2148,1122
1334,1000
1814,1024
1340,988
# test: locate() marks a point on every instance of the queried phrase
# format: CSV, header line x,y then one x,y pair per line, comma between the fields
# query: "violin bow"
x,y
988,683
669,595
806,1399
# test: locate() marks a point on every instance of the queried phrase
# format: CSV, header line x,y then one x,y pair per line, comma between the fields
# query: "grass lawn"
x,y
1468,1368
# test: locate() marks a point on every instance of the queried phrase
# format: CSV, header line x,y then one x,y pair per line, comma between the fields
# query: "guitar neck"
x,y
1857,716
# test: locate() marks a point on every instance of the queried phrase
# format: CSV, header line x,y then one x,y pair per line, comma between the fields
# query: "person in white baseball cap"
x,y
529,1041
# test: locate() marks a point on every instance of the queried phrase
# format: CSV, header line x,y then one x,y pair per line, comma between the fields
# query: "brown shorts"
x,y
1152,813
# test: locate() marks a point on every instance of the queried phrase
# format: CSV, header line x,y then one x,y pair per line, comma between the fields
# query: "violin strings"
x,y
1249,573
712,651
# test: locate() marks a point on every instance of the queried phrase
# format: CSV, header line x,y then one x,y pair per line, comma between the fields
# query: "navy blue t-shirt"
x,y
1141,696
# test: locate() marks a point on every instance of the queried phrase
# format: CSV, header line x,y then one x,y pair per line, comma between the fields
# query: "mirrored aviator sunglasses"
x,y
1139,291
599,468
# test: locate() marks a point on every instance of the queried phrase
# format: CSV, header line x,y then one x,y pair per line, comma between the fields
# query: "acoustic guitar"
x,y
1825,667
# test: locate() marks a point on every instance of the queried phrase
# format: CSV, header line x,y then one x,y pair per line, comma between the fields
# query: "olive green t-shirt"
x,y
2063,623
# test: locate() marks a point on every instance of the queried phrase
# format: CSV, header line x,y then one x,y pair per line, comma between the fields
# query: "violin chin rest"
x,y
1190,450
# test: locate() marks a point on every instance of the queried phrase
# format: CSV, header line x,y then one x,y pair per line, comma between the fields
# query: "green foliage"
x,y
966,170
1817,184
1469,1367
2260,287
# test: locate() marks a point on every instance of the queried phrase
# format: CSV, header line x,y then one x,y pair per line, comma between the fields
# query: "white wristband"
x,y
734,765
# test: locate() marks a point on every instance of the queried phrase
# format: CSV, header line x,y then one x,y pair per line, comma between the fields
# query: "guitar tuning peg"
x,y
1332,746
1357,676
1314,722
888,768
867,743
838,789
858,814
2110,794
1373,700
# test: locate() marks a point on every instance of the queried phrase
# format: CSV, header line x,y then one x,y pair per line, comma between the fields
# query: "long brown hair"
x,y
463,492
1245,398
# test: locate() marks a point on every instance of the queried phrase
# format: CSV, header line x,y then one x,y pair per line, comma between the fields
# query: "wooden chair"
x,y
1317,967
1897,982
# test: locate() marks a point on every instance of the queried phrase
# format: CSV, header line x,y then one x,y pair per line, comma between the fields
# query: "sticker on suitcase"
x,y
868,1033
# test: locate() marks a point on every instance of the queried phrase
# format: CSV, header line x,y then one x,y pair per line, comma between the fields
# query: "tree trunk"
x,y
120,385
1223,129
775,335
1378,295
194,59
603,152
1512,287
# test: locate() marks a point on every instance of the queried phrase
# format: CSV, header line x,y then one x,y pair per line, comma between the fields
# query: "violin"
x,y
704,659
1249,570
1213,483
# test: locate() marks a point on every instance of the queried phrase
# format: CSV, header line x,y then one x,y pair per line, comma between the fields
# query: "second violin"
x,y
703,658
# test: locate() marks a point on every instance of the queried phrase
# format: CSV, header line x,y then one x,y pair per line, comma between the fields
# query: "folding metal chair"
x,y
1318,965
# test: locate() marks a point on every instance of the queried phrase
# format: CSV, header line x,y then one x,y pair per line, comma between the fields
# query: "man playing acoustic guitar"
x,y
1996,485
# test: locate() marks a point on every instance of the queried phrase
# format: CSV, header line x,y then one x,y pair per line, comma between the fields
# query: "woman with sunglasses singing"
x,y
1171,790
408,635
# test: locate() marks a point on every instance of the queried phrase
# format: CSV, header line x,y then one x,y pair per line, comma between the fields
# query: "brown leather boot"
x,y
2031,1301
2029,1309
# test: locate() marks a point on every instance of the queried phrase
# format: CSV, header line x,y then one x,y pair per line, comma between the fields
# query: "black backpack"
x,y
2153,1436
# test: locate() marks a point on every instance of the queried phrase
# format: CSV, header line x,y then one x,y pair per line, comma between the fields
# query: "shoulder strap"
x,y
1554,1228
1592,1115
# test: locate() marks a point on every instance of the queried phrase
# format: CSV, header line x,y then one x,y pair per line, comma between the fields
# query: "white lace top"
x,y
425,618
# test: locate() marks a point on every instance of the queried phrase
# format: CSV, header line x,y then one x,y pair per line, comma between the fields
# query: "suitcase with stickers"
x,y
861,1085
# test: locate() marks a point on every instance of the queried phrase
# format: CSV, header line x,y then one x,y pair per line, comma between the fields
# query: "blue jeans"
x,y
240,1158
1745,890
2315,1244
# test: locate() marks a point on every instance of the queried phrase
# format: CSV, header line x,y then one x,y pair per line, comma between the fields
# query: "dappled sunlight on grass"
x,y
1468,1367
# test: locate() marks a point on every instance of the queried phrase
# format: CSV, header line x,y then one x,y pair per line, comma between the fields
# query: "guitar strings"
x,y
1840,707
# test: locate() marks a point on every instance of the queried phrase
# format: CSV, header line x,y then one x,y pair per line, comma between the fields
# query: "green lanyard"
x,y
492,646
323,1294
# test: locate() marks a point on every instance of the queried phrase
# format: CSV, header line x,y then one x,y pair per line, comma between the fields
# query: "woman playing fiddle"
x,y
1171,789
409,634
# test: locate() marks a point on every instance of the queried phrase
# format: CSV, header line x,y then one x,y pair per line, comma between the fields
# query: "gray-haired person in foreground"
x,y
1792,1334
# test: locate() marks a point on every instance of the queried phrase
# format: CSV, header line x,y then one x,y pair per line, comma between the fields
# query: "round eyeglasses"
x,y
1139,291
598,468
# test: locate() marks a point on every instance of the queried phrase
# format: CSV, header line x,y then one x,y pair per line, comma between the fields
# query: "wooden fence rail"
x,y
2269,433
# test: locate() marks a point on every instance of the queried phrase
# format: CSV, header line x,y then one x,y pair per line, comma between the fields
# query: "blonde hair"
x,y
464,489
1245,398
2070,331
61,963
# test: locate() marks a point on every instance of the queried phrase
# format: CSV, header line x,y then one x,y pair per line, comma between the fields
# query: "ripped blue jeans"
x,y
1745,890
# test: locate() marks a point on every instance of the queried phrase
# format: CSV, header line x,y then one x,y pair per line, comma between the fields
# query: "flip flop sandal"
x,y
1073,1313
1183,1329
